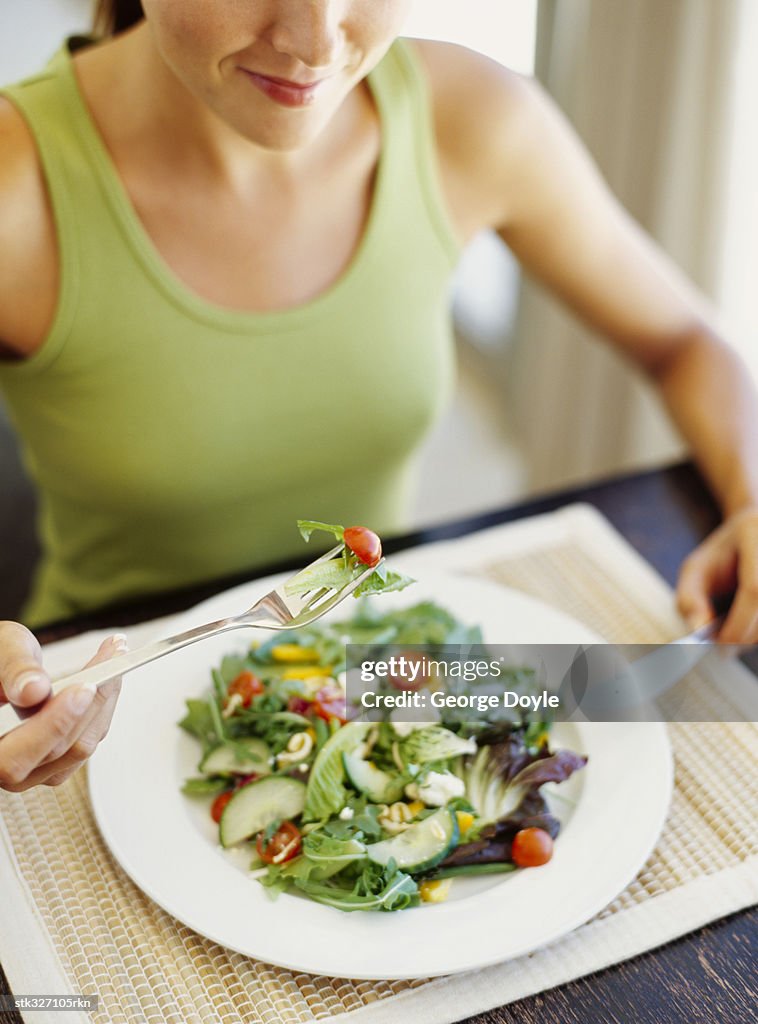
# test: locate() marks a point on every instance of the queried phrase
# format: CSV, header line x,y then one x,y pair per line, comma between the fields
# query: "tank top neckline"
x,y
169,282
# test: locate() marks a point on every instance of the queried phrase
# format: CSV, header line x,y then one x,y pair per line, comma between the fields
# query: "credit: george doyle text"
x,y
561,682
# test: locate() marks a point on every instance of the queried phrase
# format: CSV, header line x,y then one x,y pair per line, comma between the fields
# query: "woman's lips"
x,y
288,94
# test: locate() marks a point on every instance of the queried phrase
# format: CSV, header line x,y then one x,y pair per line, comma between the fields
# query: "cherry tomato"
x,y
404,682
218,805
531,847
330,702
247,685
283,845
327,709
364,544
299,705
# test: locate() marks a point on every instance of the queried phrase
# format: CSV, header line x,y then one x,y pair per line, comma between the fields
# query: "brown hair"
x,y
112,16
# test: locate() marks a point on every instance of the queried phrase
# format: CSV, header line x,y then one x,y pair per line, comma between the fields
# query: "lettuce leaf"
x,y
324,856
326,794
382,581
307,526
199,721
333,573
434,743
377,888
558,767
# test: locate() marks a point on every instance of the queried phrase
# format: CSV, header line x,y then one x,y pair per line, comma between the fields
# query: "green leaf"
x,y
323,849
323,856
231,666
307,526
396,894
205,786
218,684
322,574
198,721
383,583
322,732
325,794
218,724
434,744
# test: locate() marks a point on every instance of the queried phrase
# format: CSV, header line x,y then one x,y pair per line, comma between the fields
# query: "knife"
x,y
602,685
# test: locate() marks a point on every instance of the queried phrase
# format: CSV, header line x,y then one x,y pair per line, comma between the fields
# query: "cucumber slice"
x,y
380,787
223,760
257,804
421,846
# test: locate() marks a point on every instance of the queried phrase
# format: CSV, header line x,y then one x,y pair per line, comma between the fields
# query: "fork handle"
x,y
96,675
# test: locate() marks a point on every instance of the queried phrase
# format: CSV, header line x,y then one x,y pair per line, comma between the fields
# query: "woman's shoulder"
x,y
27,237
486,118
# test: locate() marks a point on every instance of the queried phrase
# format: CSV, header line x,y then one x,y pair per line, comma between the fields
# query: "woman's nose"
x,y
309,30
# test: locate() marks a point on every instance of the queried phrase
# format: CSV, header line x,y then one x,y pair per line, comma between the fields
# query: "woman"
x,y
228,232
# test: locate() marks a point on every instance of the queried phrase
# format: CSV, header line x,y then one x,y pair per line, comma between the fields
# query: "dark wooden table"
x,y
707,977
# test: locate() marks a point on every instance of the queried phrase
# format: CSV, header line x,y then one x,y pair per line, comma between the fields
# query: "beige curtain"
x,y
647,85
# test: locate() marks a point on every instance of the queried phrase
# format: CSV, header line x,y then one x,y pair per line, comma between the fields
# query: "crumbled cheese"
x,y
235,701
436,789
346,813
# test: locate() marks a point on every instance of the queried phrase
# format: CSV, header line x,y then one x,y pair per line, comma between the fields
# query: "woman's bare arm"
x,y
537,186
28,257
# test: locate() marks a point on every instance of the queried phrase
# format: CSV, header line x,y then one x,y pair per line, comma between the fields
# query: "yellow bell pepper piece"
x,y
465,821
293,652
306,671
436,891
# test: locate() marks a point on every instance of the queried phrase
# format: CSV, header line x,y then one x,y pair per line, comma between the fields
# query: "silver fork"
x,y
276,610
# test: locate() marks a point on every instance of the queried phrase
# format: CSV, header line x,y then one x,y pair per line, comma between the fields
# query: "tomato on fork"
x,y
364,544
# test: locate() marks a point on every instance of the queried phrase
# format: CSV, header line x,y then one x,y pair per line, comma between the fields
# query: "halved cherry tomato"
x,y
247,685
218,805
531,848
364,544
283,845
404,681
331,709
299,705
329,702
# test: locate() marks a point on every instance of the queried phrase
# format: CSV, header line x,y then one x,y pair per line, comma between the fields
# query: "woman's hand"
x,y
727,560
52,743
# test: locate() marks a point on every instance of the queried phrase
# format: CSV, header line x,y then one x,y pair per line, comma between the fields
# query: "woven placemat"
x,y
110,939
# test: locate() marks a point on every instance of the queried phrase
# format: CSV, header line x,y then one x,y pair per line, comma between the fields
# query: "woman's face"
x,y
274,70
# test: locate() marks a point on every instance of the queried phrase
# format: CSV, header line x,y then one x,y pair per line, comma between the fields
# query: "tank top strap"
x,y
50,105
401,92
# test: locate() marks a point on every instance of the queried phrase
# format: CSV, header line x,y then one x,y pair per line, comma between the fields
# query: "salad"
x,y
362,548
366,815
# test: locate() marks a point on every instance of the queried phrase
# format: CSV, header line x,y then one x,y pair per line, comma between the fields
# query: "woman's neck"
x,y
138,102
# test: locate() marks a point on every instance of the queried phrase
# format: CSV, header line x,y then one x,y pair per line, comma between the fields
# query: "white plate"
x,y
168,846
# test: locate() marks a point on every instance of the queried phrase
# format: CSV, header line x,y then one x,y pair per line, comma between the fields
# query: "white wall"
x,y
32,30
503,29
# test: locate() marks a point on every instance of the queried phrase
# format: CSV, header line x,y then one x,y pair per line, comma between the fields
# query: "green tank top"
x,y
174,441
